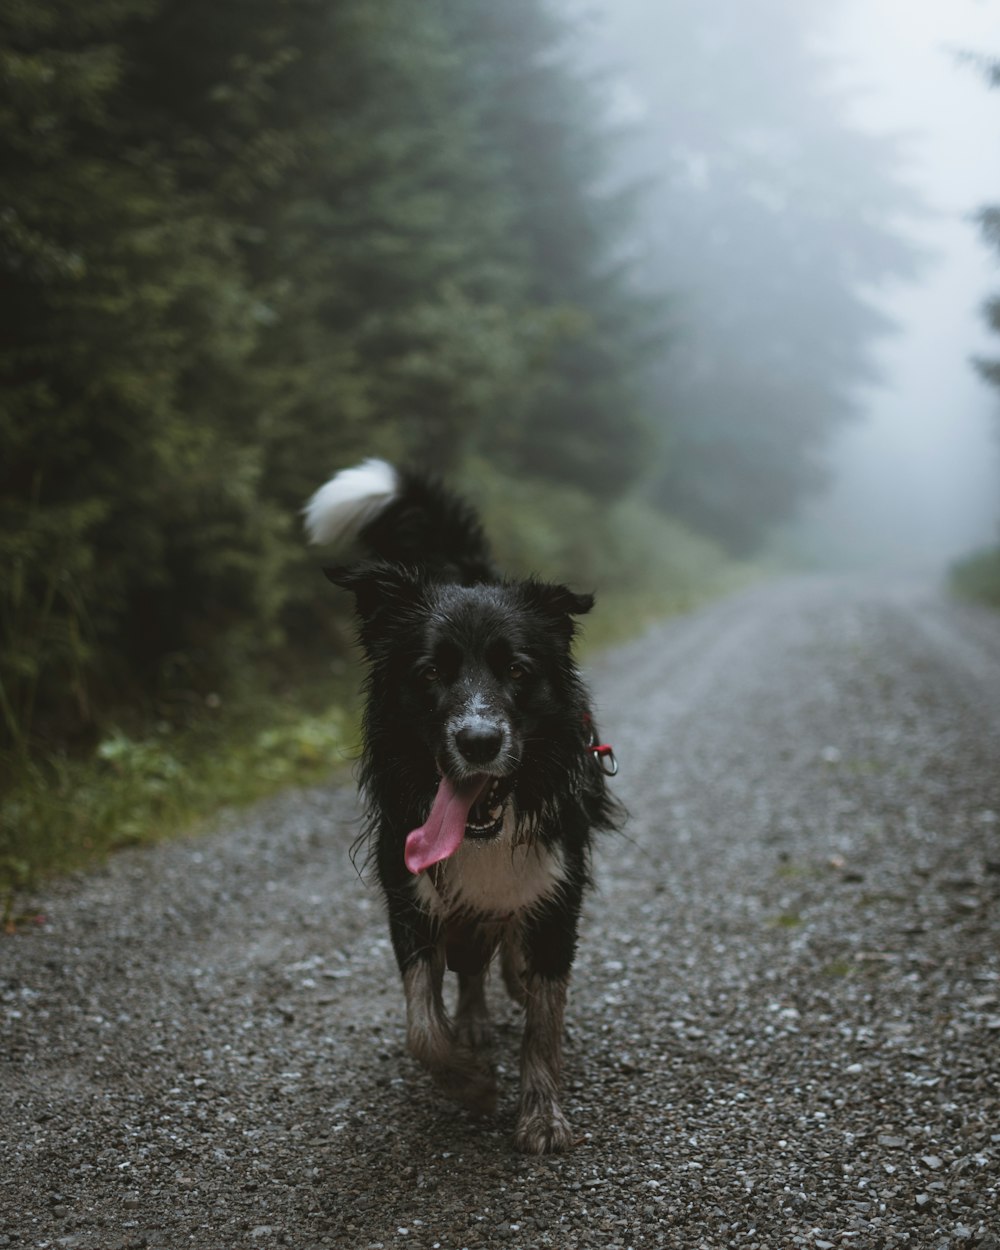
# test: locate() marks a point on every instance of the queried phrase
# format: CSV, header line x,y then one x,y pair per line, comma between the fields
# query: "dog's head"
x,y
478,678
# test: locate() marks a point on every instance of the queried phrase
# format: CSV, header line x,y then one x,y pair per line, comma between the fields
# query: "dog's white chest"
x,y
494,878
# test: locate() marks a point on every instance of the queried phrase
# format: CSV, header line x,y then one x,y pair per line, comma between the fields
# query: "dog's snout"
x,y
479,743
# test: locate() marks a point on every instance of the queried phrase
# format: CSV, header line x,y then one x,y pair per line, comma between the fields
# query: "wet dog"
x,y
482,777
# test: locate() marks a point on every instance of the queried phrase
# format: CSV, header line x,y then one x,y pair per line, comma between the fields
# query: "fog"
x,y
841,150
918,481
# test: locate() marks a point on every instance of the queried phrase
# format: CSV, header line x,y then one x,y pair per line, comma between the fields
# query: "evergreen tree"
x,y
989,223
579,417
123,315
769,216
243,244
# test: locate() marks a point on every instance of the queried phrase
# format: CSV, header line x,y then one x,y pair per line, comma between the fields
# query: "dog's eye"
x,y
430,673
516,671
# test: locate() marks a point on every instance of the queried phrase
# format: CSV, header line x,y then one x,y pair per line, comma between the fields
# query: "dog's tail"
x,y
401,517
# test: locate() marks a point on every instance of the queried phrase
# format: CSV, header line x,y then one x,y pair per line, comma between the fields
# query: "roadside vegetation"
x,y
296,718
977,577
63,813
246,245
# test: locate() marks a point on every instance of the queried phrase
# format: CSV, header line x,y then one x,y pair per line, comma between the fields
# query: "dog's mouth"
x,y
485,818
471,807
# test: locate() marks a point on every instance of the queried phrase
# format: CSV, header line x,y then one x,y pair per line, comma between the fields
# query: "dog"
x,y
482,776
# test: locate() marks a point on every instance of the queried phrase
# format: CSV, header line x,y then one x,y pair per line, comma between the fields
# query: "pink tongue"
x,y
441,833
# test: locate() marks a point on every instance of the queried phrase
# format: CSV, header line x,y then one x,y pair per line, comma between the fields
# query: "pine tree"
x,y
242,245
988,219
124,315
578,418
770,217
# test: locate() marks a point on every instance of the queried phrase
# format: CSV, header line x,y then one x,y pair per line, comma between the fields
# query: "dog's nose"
x,y
479,743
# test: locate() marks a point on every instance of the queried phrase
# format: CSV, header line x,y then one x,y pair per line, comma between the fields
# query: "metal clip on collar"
x,y
605,757
601,752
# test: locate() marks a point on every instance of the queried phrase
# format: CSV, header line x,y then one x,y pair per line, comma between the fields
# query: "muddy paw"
x,y
542,1130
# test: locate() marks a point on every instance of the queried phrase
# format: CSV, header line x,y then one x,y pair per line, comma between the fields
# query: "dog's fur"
x,y
470,677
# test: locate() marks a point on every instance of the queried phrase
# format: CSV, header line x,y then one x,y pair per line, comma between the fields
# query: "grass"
x,y
978,577
60,814
643,565
786,920
621,615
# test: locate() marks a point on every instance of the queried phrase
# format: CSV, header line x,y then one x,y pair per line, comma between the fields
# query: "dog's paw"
x,y
542,1129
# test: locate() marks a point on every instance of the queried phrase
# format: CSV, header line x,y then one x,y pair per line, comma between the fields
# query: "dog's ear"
x,y
565,602
559,604
377,588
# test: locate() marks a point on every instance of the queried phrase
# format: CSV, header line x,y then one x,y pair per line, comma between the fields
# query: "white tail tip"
x,y
342,506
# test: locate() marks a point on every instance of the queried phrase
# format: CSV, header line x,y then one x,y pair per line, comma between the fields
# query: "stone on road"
x,y
785,1021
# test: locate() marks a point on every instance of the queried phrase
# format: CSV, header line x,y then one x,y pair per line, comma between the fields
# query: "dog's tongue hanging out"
x,y
441,833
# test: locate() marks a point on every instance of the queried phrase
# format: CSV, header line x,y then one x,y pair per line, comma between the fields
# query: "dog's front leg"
x,y
459,1072
547,947
541,1125
428,1031
472,1018
430,1036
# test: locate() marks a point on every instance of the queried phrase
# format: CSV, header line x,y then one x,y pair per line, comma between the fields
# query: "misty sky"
x,y
919,481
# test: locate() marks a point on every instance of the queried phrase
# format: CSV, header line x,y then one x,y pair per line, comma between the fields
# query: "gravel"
x,y
785,1023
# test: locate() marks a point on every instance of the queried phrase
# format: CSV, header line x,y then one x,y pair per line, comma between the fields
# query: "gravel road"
x,y
784,1028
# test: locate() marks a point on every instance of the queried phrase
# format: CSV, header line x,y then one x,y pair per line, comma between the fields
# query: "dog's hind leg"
x,y
473,1030
470,946
512,965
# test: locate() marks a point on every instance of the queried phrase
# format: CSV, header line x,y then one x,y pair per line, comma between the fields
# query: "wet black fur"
x,y
432,592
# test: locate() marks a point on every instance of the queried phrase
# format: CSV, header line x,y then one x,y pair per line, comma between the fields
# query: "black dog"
x,y
481,773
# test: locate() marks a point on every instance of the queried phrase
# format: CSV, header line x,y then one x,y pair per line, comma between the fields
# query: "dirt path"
x,y
785,1027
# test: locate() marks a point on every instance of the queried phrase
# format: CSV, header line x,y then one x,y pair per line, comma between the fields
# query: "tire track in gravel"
x,y
785,1023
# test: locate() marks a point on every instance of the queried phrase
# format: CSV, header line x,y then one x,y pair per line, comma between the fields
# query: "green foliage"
x,y
977,577
131,517
61,813
576,416
246,243
243,245
642,564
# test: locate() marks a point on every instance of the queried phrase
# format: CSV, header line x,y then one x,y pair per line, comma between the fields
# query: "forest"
x,y
978,576
248,243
